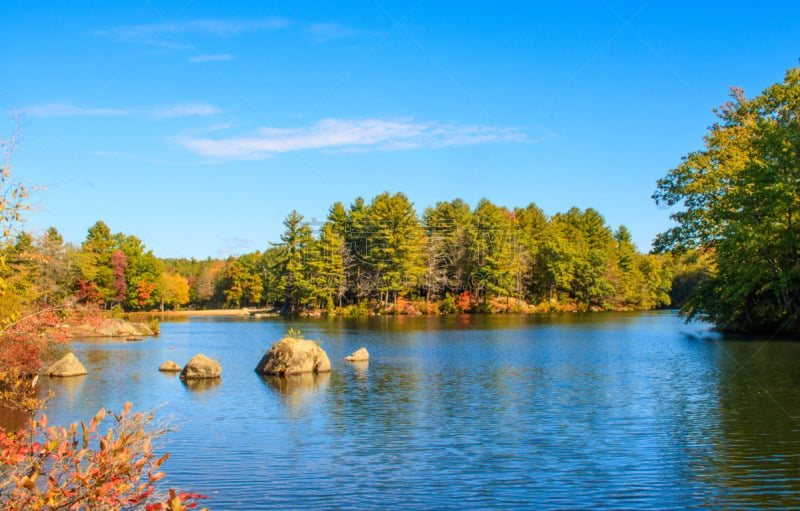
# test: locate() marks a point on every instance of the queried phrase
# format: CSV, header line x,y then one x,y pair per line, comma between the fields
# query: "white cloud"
x,y
222,57
171,34
165,33
168,111
349,135
64,110
321,32
187,110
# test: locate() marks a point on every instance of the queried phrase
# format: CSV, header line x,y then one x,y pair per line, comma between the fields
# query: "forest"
x,y
380,256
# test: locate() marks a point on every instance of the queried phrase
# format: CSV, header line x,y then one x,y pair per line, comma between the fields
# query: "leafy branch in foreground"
x,y
80,467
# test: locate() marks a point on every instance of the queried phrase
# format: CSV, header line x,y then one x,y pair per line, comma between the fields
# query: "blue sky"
x,y
198,126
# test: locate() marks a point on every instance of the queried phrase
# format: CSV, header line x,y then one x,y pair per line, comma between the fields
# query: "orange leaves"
x,y
144,292
465,301
84,466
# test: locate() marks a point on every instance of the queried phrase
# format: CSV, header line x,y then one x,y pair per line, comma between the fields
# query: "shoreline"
x,y
204,312
264,313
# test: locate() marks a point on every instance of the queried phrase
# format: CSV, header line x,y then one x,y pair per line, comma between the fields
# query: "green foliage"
x,y
376,256
294,334
738,201
293,269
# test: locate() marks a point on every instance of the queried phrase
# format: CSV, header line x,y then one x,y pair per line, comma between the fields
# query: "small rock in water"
x,y
170,367
360,355
69,365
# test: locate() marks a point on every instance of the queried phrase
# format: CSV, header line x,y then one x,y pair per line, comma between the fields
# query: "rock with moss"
x,y
201,367
294,356
68,365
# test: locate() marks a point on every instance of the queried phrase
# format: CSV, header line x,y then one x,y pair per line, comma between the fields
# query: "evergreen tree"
x,y
447,227
327,268
494,249
396,251
93,262
53,275
297,243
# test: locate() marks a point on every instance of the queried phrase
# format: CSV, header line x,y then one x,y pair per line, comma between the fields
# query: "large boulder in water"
x,y
201,367
294,356
69,365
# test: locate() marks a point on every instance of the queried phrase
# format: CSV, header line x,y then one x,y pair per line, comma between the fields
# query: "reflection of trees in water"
x,y
757,453
425,324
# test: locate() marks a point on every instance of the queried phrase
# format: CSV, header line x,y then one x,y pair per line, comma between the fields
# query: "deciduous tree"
x,y
738,199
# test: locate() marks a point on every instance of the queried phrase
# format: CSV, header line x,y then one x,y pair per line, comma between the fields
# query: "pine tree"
x,y
396,252
297,242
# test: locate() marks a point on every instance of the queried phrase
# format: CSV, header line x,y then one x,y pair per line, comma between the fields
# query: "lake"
x,y
610,410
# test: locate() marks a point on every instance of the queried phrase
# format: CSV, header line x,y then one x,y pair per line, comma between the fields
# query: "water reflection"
x,y
756,448
297,384
202,385
505,412
360,368
298,390
68,389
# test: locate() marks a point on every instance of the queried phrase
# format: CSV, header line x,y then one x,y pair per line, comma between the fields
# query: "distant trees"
x,y
380,256
116,269
738,203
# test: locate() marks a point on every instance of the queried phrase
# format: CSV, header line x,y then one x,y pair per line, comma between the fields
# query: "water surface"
x,y
469,412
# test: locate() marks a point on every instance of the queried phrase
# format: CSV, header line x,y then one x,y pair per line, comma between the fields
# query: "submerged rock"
x,y
169,367
200,367
360,355
69,365
294,356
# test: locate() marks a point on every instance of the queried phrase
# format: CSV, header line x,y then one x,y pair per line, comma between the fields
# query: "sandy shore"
x,y
189,313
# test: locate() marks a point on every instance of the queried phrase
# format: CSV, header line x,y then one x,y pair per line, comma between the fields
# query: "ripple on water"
x,y
608,411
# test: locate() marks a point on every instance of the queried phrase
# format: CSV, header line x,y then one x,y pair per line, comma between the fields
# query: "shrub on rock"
x,y
294,356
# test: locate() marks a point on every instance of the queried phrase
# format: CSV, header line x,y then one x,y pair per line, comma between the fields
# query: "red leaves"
x,y
119,263
465,301
23,342
115,468
87,292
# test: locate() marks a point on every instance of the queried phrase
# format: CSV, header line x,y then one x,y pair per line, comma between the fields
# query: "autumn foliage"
x,y
82,467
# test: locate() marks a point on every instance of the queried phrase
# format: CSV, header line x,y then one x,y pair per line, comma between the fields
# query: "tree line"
x,y
378,256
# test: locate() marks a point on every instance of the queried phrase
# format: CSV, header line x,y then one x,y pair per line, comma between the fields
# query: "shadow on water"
x,y
755,452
